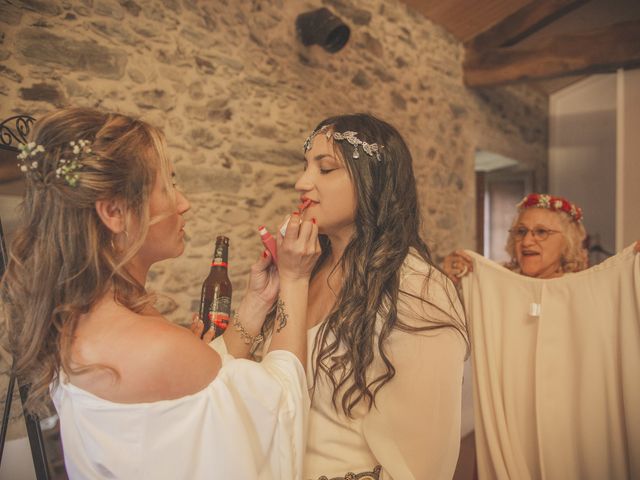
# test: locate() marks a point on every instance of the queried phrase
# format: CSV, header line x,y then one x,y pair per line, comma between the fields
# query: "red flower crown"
x,y
551,202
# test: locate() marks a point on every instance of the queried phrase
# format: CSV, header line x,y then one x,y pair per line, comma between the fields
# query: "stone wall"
x,y
237,94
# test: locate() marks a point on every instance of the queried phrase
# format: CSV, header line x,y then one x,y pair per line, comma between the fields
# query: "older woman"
x,y
545,240
556,357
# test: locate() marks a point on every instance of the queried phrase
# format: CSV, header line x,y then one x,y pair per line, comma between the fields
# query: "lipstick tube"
x,y
269,242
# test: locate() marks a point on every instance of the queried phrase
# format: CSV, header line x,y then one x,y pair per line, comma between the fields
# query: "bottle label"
x,y
220,312
219,263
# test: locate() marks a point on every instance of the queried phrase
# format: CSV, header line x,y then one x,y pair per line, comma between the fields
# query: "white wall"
x,y
582,151
628,159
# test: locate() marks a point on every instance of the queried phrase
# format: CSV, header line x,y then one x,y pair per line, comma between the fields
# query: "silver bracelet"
x,y
246,336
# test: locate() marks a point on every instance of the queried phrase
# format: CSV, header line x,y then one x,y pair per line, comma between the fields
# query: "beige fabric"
x,y
414,430
556,396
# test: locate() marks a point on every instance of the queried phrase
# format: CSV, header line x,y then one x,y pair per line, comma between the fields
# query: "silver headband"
x,y
371,149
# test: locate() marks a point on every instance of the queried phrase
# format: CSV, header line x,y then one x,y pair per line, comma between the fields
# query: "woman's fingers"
x,y
209,335
299,249
457,264
293,227
196,326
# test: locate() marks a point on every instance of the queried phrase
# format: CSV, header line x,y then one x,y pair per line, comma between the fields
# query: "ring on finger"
x,y
462,272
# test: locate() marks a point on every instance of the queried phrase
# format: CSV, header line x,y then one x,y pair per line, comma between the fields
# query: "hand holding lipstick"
x,y
298,248
301,208
267,239
299,239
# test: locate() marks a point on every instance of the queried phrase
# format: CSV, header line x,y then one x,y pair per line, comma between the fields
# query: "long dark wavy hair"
x,y
387,225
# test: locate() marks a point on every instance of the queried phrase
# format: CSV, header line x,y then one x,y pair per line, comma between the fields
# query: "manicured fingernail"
x,y
314,220
264,254
295,213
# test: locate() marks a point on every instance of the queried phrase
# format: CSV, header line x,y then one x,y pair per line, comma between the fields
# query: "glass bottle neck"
x,y
220,256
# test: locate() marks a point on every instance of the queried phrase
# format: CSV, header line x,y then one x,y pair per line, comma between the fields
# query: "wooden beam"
x,y
523,23
598,51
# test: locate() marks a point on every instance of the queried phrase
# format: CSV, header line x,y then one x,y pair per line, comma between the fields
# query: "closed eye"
x,y
324,171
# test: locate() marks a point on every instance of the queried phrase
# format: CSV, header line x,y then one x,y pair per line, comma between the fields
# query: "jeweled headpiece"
x,y
371,149
66,168
551,202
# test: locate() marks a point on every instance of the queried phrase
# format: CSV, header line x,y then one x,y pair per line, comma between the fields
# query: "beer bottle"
x,y
215,300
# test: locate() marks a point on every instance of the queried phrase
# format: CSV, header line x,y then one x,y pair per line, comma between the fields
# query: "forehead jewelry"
x,y
371,149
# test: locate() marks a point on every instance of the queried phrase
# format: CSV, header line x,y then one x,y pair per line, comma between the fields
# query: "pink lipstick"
x,y
269,242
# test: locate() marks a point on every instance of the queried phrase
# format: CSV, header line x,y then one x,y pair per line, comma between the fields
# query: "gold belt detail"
x,y
374,475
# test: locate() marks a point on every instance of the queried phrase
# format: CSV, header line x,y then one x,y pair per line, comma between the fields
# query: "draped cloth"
x,y
556,366
247,424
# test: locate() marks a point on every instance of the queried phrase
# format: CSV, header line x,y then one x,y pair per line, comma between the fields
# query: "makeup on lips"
x,y
301,208
267,239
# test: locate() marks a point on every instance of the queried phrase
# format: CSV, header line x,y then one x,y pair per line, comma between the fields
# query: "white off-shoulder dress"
x,y
248,423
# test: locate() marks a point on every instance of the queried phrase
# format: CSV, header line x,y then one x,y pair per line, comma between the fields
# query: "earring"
x,y
113,245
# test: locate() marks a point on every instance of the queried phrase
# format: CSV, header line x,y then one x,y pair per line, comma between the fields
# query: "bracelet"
x,y
246,336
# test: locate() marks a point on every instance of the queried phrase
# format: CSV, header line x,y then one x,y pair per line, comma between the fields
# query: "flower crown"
x,y
371,149
65,168
551,202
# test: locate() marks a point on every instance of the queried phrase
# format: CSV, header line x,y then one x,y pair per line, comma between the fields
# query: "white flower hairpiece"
x,y
66,168
371,149
27,152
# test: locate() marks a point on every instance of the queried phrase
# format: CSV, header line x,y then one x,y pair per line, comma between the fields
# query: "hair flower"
x,y
551,202
66,168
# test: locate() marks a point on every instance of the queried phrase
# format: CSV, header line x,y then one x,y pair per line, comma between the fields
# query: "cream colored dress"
x,y
413,431
556,371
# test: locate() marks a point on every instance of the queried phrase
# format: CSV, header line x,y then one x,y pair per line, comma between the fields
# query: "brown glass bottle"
x,y
215,299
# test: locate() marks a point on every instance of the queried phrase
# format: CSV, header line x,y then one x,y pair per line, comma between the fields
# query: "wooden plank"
x,y
465,19
598,51
523,23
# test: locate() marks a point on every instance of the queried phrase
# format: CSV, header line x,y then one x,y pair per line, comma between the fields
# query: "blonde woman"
x,y
555,351
137,396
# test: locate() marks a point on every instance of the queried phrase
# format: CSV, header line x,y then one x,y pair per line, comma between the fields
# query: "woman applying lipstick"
x,y
555,351
387,337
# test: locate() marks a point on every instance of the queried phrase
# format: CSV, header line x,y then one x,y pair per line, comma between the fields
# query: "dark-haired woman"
x,y
387,337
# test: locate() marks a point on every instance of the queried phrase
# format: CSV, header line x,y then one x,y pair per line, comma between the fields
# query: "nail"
x,y
295,213
314,220
264,254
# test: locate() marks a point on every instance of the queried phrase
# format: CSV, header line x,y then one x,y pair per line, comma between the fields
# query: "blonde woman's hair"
x,y
63,259
574,256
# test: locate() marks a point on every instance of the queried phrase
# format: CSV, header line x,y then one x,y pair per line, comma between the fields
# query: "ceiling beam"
x,y
598,51
522,23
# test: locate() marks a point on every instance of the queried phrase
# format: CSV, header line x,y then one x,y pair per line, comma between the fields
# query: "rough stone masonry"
x,y
237,94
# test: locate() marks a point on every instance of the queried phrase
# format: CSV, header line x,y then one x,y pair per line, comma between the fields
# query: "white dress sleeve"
x,y
221,349
249,423
414,428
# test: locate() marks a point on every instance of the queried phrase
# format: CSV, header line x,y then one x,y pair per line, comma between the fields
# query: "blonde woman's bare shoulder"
x,y
148,358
